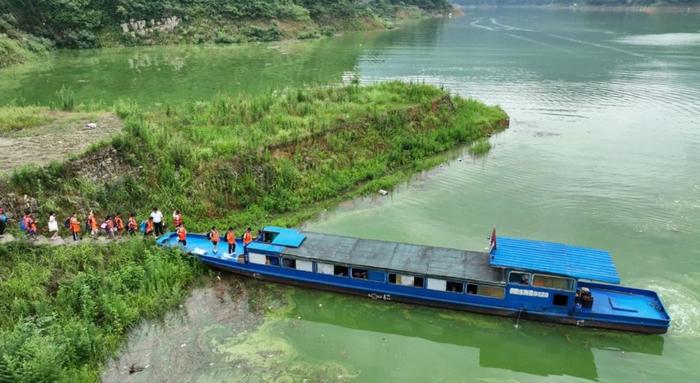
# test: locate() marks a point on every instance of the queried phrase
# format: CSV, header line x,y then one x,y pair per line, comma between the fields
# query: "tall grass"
x,y
17,118
63,311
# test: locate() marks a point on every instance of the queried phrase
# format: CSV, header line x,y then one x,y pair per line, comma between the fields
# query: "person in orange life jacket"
x,y
182,236
149,227
32,227
177,218
92,224
109,227
132,225
74,227
214,238
247,238
119,224
231,240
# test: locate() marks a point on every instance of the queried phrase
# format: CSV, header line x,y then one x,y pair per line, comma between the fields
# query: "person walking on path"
x,y
92,224
74,227
132,225
3,221
119,224
53,226
231,240
157,221
32,227
214,238
182,237
149,227
109,227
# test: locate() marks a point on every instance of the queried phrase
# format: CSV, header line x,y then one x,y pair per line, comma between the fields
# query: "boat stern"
x,y
624,308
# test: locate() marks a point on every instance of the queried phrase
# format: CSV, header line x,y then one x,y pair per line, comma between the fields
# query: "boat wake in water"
x,y
682,306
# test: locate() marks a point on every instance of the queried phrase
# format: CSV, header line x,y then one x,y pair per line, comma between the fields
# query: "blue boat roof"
x,y
554,258
265,247
286,237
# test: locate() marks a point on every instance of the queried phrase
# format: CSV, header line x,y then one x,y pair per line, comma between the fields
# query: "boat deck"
x,y
625,304
401,257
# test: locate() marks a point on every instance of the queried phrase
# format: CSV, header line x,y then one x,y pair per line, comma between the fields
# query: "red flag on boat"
x,y
492,243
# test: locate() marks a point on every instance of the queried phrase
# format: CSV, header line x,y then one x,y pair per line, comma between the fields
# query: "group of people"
x,y
114,226
215,237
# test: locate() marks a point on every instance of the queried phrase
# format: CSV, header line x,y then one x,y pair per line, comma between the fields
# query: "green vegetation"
x,y
92,23
17,46
479,147
16,118
580,2
64,311
277,158
246,161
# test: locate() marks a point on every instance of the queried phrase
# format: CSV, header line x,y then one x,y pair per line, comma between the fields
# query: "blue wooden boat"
x,y
517,278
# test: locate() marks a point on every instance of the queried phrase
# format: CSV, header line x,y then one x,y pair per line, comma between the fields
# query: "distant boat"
x,y
518,278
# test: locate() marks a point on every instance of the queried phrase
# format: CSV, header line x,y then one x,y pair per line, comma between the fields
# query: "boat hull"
x,y
480,309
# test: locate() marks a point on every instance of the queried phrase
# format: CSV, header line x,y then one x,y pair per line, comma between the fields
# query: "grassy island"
x,y
234,161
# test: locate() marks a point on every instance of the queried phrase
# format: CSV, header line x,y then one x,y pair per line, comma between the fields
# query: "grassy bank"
x,y
90,24
64,311
234,161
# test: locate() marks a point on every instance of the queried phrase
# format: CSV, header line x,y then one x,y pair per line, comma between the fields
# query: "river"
x,y
603,150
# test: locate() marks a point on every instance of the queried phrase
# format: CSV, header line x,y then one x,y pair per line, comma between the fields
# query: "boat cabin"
x,y
544,276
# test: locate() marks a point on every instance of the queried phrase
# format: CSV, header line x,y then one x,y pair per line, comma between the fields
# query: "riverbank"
x,y
278,158
68,25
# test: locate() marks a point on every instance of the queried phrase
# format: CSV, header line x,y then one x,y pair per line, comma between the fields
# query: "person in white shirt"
x,y
53,226
157,221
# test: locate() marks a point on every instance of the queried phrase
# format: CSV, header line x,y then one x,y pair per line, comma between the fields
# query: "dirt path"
x,y
66,135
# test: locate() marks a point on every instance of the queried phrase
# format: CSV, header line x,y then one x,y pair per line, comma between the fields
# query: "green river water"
x,y
603,150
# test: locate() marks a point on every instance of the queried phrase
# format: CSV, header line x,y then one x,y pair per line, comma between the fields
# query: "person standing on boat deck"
x,y
182,237
177,219
118,224
247,238
157,221
74,227
214,238
53,225
3,221
231,240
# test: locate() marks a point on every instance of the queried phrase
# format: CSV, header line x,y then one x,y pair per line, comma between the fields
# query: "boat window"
x,y
359,273
324,268
290,263
269,236
304,265
520,278
443,285
340,271
486,290
560,300
406,280
551,282
262,259
455,287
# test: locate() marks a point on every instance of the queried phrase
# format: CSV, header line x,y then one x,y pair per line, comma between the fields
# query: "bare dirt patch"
x,y
66,134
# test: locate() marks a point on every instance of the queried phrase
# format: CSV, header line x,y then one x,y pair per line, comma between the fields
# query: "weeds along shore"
x,y
235,161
